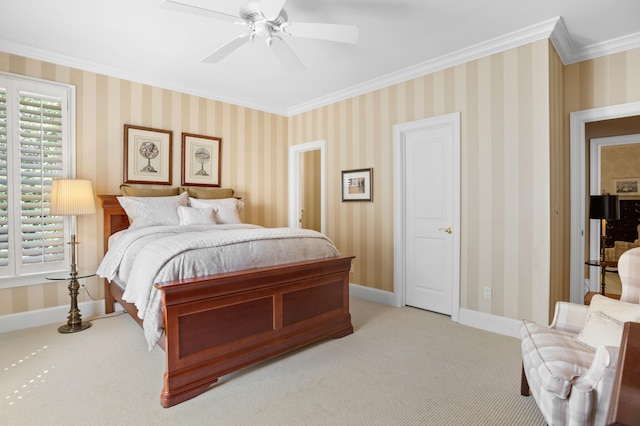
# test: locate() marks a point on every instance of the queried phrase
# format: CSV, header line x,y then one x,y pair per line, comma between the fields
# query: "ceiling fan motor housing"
x,y
260,25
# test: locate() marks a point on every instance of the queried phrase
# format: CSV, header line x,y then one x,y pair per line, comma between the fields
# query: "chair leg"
x,y
524,384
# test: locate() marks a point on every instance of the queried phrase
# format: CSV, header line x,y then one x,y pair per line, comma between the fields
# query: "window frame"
x,y
18,275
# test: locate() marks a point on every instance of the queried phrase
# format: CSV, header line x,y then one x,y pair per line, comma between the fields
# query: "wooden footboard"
x,y
222,323
218,324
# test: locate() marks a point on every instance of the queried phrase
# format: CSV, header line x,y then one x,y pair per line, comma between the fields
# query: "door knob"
x,y
448,230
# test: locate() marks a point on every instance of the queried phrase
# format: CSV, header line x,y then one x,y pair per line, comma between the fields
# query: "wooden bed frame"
x,y
217,324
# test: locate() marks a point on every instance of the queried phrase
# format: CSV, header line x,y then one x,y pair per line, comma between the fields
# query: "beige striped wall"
x,y
559,214
254,155
514,108
504,105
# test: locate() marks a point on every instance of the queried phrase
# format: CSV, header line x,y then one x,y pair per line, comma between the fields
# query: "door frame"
x,y
294,181
399,224
578,158
595,161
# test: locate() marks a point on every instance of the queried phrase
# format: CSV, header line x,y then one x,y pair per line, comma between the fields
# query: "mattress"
x,y
140,257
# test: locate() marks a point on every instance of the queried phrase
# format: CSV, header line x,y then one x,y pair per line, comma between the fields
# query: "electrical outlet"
x,y
353,268
487,292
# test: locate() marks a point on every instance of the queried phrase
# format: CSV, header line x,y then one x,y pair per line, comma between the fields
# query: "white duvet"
x,y
141,257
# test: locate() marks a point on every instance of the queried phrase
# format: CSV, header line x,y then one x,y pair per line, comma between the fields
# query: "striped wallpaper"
x,y
504,105
514,109
254,156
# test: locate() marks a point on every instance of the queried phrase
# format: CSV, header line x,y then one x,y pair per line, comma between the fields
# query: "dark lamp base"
x,y
69,329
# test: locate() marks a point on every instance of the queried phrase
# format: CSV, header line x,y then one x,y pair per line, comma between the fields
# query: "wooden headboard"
x,y
115,218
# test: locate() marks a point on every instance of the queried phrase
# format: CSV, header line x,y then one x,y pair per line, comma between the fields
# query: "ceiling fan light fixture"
x,y
268,19
263,29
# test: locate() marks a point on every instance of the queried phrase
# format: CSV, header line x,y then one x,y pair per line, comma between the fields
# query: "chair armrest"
x,y
569,317
602,368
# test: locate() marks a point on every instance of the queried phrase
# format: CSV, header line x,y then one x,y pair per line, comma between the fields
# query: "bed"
x,y
282,308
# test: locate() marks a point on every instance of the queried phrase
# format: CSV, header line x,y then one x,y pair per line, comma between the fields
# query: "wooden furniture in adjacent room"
x,y
281,308
589,296
625,228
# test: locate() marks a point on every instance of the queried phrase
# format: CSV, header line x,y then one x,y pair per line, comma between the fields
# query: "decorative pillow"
x,y
193,216
227,209
153,211
600,330
132,191
208,193
620,311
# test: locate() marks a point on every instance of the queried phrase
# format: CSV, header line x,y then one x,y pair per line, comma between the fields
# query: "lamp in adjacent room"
x,y
604,207
72,197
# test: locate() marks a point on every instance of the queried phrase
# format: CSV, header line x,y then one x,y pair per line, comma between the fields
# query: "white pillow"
x,y
600,330
193,216
620,311
153,211
227,209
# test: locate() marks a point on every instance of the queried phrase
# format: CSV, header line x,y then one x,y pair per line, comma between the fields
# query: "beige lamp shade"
x,y
71,197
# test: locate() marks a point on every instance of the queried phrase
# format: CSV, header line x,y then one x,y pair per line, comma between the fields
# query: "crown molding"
x,y
553,29
621,44
499,44
562,42
126,74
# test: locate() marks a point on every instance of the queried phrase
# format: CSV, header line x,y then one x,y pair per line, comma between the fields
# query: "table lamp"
x,y
72,197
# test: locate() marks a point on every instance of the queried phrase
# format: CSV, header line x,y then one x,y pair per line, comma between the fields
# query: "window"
x,y
36,146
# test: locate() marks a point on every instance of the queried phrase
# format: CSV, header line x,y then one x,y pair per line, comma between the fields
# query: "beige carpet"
x,y
400,367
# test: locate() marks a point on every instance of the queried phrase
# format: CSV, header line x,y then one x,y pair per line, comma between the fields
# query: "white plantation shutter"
x,y
35,148
4,203
41,158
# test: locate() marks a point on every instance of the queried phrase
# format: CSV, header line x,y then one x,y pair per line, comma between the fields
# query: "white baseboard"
x,y
56,314
489,322
483,321
371,294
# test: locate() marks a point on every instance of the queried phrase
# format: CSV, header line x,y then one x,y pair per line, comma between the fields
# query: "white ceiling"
x,y
399,39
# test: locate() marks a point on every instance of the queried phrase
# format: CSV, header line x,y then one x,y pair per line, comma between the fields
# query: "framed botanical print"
x,y
357,185
200,160
147,155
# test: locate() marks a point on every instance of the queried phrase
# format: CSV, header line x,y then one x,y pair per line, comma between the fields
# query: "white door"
x,y
430,162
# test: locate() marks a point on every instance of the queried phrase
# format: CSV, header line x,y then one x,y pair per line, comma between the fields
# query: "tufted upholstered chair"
x,y
569,366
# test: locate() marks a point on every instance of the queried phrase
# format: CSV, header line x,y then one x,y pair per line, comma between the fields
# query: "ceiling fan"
x,y
266,19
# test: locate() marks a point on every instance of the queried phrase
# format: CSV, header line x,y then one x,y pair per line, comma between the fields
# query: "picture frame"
x,y
627,187
357,185
147,155
201,157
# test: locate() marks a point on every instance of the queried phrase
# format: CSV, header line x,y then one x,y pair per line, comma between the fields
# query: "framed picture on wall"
x,y
147,155
357,185
200,160
627,187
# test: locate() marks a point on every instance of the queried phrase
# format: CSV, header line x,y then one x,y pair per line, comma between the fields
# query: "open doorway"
x,y
614,162
307,186
586,125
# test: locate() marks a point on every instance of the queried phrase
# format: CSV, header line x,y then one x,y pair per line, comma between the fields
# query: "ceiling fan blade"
x,y
226,49
188,7
331,32
286,55
271,8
